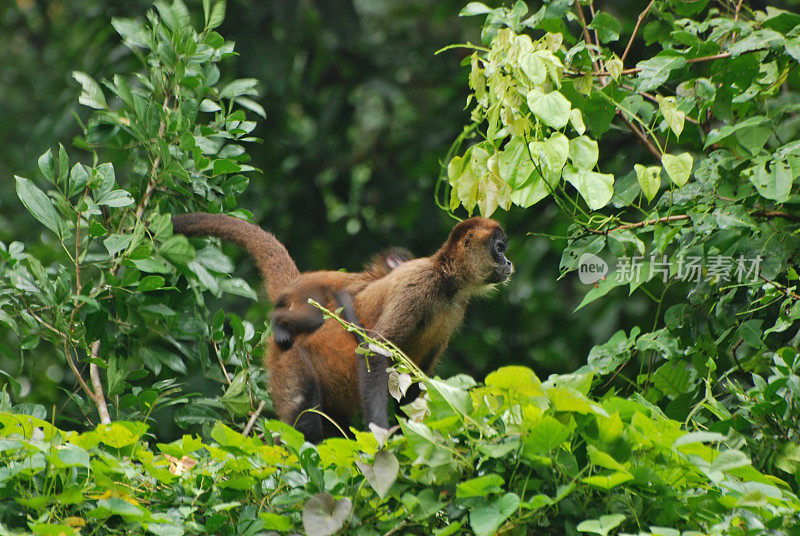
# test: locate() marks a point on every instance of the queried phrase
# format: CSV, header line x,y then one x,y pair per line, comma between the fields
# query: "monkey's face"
x,y
501,266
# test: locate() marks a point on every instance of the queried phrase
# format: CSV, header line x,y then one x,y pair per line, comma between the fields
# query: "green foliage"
x,y
523,456
126,297
686,426
711,240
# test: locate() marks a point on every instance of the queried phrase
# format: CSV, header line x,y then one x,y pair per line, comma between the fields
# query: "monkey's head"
x,y
481,245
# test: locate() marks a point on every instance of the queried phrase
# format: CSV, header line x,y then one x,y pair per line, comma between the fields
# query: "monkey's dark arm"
x,y
372,375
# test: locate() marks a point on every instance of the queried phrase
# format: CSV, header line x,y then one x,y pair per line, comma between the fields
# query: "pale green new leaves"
x,y
476,181
649,179
614,67
674,117
678,168
551,153
576,120
583,152
595,188
533,67
551,108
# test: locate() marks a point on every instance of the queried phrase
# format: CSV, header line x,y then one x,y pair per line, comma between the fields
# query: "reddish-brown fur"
x,y
417,306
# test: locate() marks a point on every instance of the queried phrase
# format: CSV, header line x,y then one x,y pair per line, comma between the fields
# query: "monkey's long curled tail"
x,y
270,256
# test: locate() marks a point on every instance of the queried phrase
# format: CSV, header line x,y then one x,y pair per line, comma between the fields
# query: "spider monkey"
x,y
417,306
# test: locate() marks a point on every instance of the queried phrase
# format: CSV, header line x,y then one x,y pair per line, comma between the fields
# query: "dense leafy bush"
x,y
655,435
517,456
705,228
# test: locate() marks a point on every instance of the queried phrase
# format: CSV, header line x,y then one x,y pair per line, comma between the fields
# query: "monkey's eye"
x,y
500,247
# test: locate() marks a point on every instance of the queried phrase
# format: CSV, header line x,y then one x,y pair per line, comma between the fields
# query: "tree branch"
x,y
151,183
641,136
680,217
785,291
99,397
586,36
253,418
641,17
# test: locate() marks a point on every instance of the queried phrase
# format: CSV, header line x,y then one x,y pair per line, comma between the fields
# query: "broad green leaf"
x,y
382,473
552,108
606,26
775,183
47,166
656,70
151,266
474,8
691,438
545,436
576,120
571,400
242,86
649,179
678,168
217,15
251,105
595,188
323,515
531,193
487,518
91,96
480,486
116,243
515,379
115,198
674,117
602,459
609,481
456,397
514,163
151,282
225,165
533,67
614,67
207,105
729,460
236,399
120,434
493,190
177,250
78,179
63,164
37,204
583,153
673,378
601,526
552,152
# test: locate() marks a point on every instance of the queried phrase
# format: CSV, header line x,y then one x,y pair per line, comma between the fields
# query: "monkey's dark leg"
x,y
308,397
373,380
373,384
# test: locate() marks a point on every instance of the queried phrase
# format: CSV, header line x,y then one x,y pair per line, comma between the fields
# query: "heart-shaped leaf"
x,y
323,515
678,168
